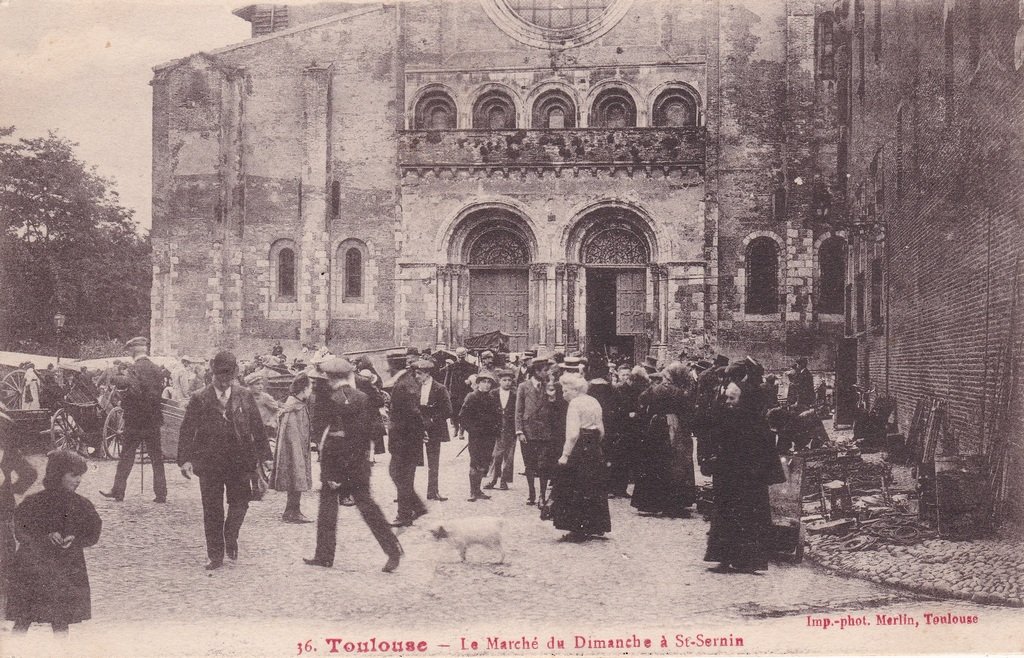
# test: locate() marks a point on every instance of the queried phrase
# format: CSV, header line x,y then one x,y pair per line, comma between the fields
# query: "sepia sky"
x,y
82,68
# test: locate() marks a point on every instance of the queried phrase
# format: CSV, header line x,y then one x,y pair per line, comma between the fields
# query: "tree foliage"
x,y
67,245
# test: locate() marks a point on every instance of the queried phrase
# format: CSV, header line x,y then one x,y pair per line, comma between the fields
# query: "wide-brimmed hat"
x,y
337,367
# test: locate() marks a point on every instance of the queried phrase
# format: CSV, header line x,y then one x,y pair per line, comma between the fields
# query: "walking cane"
x,y
142,467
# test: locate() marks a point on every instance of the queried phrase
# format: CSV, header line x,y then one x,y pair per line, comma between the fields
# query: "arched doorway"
x,y
616,256
499,300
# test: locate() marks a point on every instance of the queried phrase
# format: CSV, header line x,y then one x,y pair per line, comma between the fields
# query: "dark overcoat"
x,y
406,430
196,445
437,412
346,459
48,583
142,399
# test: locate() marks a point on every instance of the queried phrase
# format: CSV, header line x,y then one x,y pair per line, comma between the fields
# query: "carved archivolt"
x,y
615,245
499,247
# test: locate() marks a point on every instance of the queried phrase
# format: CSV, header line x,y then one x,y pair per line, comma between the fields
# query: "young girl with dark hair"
x,y
48,580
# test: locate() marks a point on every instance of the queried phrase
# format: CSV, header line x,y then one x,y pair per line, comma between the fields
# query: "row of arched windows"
x,y
349,263
762,276
675,107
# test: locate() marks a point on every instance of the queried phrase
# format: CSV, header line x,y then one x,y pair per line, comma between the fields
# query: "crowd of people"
x,y
588,430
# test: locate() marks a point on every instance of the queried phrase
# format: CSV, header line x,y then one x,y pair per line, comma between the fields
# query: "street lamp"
x,y
58,321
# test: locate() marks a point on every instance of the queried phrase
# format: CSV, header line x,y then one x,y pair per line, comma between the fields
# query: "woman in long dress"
x,y
580,499
665,482
293,464
741,465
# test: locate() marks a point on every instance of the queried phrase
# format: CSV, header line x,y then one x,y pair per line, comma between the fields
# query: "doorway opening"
x,y
616,300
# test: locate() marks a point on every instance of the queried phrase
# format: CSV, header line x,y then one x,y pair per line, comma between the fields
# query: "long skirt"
x,y
579,494
665,482
740,519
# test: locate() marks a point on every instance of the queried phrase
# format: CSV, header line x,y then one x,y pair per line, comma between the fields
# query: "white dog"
x,y
463,533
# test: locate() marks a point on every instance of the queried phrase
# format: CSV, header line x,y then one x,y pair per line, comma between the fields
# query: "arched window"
x,y
494,111
335,199
554,109
350,260
831,275
353,273
762,277
824,45
435,111
613,108
675,108
283,262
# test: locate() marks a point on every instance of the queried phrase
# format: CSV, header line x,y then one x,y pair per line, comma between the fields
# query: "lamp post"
x,y
58,321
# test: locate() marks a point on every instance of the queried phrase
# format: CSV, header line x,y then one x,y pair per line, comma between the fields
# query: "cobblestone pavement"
x,y
151,595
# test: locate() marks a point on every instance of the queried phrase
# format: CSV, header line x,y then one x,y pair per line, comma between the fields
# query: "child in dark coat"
x,y
481,418
48,580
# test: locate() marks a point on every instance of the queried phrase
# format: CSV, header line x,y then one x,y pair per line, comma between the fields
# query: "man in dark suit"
x,y
405,441
144,384
435,409
222,440
456,376
503,457
533,426
345,465
801,385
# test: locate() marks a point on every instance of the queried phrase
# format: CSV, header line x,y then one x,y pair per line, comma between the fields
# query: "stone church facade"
x,y
627,176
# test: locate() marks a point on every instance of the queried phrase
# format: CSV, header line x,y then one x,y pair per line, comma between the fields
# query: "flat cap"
x,y
505,372
138,341
486,353
488,375
337,367
224,363
461,351
422,364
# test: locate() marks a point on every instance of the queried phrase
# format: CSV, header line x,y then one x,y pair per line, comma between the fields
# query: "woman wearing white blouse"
x,y
579,499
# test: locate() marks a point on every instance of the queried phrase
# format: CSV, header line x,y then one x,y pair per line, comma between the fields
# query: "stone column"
x,y
441,292
539,273
572,340
560,324
313,288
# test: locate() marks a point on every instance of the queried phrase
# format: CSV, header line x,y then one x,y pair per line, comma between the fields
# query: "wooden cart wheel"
x,y
113,433
12,389
65,432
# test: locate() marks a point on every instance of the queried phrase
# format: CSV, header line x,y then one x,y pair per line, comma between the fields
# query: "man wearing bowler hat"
x,y
144,384
405,439
222,440
345,465
435,409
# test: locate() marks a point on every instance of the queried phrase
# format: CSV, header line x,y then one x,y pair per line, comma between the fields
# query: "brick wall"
x,y
945,133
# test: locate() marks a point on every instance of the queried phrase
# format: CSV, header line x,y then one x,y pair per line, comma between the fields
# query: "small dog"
x,y
463,533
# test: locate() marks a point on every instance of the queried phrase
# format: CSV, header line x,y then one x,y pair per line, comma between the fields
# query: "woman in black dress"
x,y
48,580
665,480
742,464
